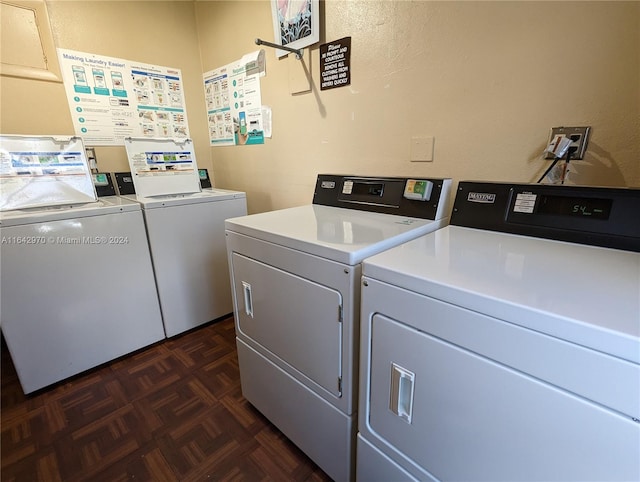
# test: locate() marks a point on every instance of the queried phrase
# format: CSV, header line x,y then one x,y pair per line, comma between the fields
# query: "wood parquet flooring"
x,y
171,412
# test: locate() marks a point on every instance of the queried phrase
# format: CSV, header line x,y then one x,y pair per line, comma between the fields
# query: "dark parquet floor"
x,y
171,412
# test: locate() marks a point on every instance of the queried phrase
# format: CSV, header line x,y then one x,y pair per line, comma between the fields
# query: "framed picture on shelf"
x,y
296,23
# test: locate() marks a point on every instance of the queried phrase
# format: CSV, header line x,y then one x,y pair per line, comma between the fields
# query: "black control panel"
x,y
103,184
599,216
124,181
412,197
205,180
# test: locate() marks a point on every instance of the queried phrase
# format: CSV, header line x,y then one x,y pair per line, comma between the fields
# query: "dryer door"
x,y
462,416
292,320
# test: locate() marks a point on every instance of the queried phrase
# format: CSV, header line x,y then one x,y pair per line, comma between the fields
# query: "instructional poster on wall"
x,y
111,99
234,102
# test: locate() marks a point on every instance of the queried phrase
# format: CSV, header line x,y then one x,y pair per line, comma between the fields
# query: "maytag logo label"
x,y
481,197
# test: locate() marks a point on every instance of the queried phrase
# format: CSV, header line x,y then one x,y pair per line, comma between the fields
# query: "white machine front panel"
x,y
374,466
83,296
475,419
582,294
190,260
294,318
343,235
317,427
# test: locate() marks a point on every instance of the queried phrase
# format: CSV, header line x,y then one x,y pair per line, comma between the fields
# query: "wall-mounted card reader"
x,y
419,190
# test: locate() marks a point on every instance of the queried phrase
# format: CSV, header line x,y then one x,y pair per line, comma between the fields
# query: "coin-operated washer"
x,y
77,281
506,346
185,226
296,283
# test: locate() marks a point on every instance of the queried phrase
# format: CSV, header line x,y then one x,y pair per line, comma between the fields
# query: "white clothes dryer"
x,y
506,346
77,288
296,276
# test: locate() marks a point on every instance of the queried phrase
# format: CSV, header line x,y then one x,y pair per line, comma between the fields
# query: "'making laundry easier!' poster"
x,y
111,99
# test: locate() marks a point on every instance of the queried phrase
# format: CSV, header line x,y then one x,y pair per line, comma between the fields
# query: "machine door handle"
x,y
401,392
248,299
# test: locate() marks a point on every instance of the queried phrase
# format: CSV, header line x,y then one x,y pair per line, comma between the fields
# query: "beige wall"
x,y
153,32
486,79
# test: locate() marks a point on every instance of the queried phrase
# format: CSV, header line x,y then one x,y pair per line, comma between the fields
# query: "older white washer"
x,y
491,353
296,277
185,226
77,288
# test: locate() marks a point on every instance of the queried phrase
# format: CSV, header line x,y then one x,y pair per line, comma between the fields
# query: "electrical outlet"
x,y
579,139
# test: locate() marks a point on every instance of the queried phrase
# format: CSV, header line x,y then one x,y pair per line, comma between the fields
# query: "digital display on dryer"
x,y
594,208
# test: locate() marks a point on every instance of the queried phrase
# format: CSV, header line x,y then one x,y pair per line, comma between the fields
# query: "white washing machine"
x,y
506,346
185,226
187,243
296,276
77,288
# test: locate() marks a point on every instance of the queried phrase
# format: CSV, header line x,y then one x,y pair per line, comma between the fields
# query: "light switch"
x,y
422,149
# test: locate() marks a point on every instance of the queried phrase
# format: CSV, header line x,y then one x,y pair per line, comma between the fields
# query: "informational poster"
x,y
217,96
234,102
111,99
335,64
43,171
162,166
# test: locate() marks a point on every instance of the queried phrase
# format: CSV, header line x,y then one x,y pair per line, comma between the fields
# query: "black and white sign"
x,y
335,64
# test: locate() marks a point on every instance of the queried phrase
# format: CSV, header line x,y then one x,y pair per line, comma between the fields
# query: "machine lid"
x,y
583,294
343,235
104,206
210,195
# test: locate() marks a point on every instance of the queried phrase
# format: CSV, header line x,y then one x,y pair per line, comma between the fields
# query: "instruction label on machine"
x,y
335,64
525,202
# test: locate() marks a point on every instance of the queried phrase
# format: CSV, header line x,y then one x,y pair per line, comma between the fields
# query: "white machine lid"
x,y
210,195
343,235
105,205
583,294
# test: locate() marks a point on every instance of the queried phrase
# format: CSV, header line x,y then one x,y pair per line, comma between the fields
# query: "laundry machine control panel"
x,y
598,216
424,198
